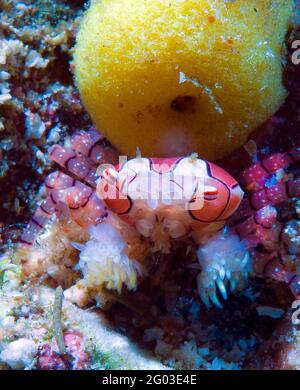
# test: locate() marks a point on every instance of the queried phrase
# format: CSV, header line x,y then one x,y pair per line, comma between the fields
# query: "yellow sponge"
x,y
179,76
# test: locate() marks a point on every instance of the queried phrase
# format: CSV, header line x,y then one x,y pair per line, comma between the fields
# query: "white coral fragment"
x,y
10,47
35,127
19,354
35,60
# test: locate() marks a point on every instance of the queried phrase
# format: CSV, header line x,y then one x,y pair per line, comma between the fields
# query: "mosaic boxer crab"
x,y
156,202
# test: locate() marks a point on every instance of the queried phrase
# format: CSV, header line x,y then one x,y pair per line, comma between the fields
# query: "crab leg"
x,y
78,166
66,196
86,211
38,221
274,269
85,143
58,180
258,227
53,202
256,176
276,194
90,144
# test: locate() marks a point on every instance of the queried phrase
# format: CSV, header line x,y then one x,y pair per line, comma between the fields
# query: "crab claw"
x,y
225,264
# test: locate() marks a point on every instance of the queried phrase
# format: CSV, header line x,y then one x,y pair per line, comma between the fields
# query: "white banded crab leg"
x,y
66,195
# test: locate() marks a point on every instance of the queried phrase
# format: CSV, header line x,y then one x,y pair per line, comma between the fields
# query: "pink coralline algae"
x,y
77,357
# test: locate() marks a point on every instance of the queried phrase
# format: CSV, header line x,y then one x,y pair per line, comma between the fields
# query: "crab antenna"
x,y
193,157
138,152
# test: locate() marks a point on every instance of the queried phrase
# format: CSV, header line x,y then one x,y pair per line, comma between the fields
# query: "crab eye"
x,y
110,175
210,193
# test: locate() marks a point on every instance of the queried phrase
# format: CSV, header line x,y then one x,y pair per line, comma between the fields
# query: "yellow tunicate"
x,y
179,76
